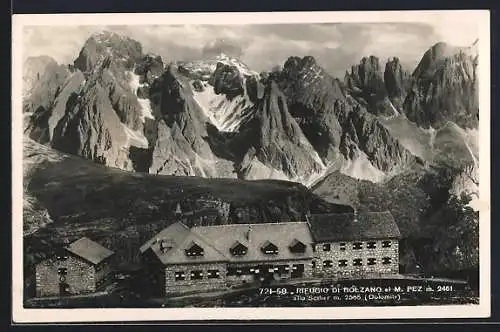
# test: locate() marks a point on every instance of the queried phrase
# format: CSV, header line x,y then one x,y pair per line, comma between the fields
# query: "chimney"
x,y
178,209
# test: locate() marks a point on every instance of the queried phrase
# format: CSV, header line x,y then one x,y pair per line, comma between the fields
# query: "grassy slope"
x,y
122,209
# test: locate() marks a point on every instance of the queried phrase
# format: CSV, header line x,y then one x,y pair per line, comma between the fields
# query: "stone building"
x,y
355,245
346,245
81,267
181,259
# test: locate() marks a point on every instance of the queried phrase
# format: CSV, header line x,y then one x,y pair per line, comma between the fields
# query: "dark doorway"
x,y
297,271
63,289
63,286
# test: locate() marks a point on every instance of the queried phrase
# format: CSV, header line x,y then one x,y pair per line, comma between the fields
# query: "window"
x,y
213,274
357,262
196,275
297,271
342,246
194,250
326,247
165,245
238,249
386,244
269,248
357,245
313,247
313,264
62,274
180,275
231,271
297,247
61,255
238,271
342,262
372,261
371,245
386,260
327,263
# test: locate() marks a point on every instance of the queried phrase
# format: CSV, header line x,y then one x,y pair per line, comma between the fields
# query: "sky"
x,y
336,46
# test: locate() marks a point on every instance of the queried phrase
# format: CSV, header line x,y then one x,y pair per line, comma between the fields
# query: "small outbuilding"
x,y
81,267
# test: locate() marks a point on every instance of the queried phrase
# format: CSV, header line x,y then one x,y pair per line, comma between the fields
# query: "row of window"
x,y
239,249
295,269
355,262
197,275
358,245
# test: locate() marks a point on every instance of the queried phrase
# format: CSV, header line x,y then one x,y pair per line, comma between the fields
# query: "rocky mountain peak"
x,y
226,79
121,49
396,82
444,88
203,69
302,68
435,57
149,68
33,70
366,84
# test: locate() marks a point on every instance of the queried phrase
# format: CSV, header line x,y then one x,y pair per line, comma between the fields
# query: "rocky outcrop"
x,y
316,101
178,106
42,123
182,146
95,113
42,84
381,92
335,123
33,69
366,84
363,132
91,127
444,88
226,79
396,81
149,68
172,154
278,144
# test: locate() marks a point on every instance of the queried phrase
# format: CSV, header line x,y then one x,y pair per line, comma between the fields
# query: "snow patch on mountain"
x,y
361,168
257,170
135,138
146,110
396,113
242,68
226,115
206,67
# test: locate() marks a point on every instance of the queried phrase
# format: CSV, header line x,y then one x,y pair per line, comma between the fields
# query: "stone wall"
x,y
80,276
153,274
283,272
350,254
190,284
224,280
103,271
